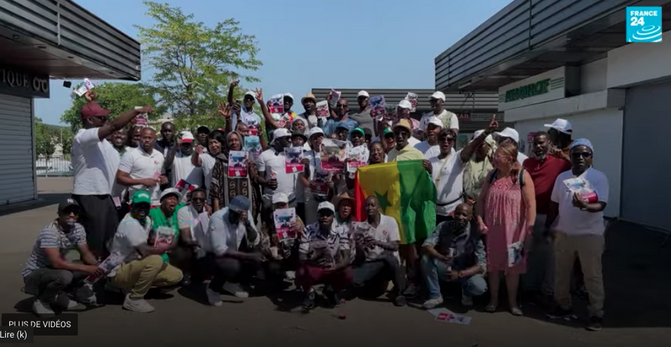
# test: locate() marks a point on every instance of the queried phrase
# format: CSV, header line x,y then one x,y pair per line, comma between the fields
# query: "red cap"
x,y
92,109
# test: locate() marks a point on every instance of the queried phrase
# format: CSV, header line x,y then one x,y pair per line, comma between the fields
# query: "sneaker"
x,y
560,313
432,303
290,275
137,305
466,301
331,297
213,297
400,300
595,324
236,290
309,301
86,295
411,291
42,308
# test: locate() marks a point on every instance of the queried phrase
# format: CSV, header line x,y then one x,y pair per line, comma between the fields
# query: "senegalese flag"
x,y
405,191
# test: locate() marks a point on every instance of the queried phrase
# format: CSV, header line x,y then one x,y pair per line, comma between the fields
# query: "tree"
x,y
65,141
117,97
45,139
194,63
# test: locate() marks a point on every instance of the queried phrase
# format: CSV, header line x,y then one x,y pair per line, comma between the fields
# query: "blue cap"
x,y
239,203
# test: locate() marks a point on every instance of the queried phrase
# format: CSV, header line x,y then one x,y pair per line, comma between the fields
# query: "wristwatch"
x,y
461,274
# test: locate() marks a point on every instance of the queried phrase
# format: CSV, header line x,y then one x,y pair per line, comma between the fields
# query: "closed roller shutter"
x,y
17,180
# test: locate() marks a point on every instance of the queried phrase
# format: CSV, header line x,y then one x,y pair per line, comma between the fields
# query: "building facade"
x,y
39,41
569,59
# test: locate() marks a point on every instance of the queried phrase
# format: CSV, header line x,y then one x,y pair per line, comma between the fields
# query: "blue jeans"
x,y
435,271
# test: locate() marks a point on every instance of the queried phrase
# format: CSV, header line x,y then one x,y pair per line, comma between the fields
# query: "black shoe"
x,y
560,313
186,281
332,298
309,301
595,324
400,300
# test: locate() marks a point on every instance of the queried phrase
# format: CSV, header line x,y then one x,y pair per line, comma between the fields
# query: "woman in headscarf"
x,y
224,188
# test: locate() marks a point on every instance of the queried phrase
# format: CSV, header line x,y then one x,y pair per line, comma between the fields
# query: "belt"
x,y
451,202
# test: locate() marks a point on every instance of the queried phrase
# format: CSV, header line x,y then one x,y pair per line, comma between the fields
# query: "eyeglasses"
x,y
581,154
447,139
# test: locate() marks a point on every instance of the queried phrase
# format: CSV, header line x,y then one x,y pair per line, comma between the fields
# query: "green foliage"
x,y
65,140
195,63
117,97
45,139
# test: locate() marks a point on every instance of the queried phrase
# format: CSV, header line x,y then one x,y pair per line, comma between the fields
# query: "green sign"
x,y
529,90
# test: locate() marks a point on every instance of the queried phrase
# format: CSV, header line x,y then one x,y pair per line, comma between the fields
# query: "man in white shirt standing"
x,y
449,119
510,134
95,162
141,168
179,163
430,146
578,199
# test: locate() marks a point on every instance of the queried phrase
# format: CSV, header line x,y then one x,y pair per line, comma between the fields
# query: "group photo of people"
x,y
162,209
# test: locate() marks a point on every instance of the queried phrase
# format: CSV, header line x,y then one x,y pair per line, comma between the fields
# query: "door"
x,y
17,180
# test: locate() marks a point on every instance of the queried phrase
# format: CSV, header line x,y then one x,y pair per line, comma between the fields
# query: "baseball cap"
x,y
315,131
69,202
343,125
298,133
280,198
405,104
386,132
581,142
281,132
251,94
186,136
92,109
288,95
403,123
561,125
477,134
325,205
239,203
509,133
435,121
141,196
362,93
203,129
170,191
359,130
438,96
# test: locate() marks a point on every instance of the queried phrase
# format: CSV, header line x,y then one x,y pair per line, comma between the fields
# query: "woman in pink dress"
x,y
507,218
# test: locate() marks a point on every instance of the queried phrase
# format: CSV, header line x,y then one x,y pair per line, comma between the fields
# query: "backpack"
x,y
520,177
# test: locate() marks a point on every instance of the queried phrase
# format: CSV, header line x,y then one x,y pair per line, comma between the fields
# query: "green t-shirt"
x,y
159,220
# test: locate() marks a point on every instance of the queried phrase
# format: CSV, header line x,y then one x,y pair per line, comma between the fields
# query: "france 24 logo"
x,y
644,24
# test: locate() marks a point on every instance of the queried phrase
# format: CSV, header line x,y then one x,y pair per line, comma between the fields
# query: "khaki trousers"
x,y
589,249
140,275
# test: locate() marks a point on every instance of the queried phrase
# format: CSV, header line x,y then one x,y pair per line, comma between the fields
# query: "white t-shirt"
x,y
449,119
188,217
130,234
412,141
183,169
448,176
207,164
386,231
139,164
521,157
428,150
94,163
571,220
286,182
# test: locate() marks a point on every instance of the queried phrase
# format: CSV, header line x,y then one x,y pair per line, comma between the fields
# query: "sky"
x,y
345,44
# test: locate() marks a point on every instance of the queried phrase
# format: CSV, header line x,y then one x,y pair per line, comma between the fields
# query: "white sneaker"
x,y
137,305
432,303
42,308
71,305
213,297
290,275
236,290
466,301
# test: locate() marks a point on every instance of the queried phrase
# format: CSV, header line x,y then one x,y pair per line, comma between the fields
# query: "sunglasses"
x,y
447,139
581,154
197,199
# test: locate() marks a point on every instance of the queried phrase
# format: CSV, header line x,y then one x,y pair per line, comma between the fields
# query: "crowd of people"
x,y
165,213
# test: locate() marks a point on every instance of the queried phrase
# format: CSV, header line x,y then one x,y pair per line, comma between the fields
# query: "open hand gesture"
x,y
224,110
259,94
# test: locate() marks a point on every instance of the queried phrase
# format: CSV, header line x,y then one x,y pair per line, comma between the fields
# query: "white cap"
x,y
280,198
315,131
186,136
581,142
251,93
405,104
362,93
438,95
478,133
288,95
561,125
171,191
435,121
325,205
281,132
509,133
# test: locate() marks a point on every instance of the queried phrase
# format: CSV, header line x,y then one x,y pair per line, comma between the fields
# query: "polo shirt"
x,y
386,231
449,119
94,163
270,161
572,220
140,164
544,174
407,153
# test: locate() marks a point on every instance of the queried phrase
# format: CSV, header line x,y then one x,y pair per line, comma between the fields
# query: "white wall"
x,y
593,76
639,62
604,129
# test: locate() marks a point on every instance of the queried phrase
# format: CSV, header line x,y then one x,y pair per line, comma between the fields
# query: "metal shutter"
x,y
17,179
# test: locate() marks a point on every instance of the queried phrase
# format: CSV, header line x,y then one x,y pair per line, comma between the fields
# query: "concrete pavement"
x,y
638,306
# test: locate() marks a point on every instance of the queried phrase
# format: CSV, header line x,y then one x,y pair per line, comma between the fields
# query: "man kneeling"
x,y
455,253
144,267
376,244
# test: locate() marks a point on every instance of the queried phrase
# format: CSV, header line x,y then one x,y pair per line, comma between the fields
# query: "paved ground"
x,y
638,306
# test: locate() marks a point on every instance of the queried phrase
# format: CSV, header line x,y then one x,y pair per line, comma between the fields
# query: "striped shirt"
x,y
314,245
53,237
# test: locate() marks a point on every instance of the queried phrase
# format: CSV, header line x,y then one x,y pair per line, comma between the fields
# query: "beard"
x,y
542,155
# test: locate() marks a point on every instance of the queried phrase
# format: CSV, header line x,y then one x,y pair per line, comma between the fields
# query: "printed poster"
x,y
321,180
412,97
580,186
323,109
237,164
184,188
276,104
284,219
333,155
335,96
293,159
377,106
252,145
356,158
446,316
164,236
110,263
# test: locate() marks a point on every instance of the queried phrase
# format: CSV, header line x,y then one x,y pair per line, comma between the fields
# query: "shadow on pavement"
x,y
43,200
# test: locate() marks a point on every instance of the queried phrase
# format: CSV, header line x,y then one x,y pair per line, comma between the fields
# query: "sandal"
x,y
490,308
516,311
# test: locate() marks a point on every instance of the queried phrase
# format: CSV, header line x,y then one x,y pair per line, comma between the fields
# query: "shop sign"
x,y
545,87
20,83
